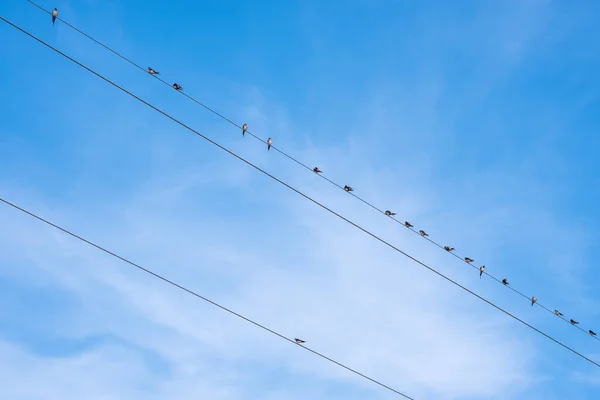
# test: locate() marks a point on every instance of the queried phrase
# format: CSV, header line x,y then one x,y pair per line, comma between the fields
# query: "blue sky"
x,y
477,122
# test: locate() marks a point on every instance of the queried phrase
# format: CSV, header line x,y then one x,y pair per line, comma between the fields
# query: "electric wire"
x,y
415,231
199,296
301,193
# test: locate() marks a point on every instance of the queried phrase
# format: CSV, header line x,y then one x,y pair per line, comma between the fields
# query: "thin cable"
x,y
198,295
300,193
300,163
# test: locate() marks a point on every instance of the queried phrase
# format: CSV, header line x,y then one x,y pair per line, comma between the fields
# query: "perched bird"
x,y
558,313
505,281
152,72
448,248
423,233
244,129
54,15
348,188
407,224
269,143
533,300
592,332
299,341
573,322
481,269
177,86
469,260
389,213
317,170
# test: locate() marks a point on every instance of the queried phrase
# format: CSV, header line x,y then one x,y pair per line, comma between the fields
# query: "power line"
x,y
300,193
199,295
415,231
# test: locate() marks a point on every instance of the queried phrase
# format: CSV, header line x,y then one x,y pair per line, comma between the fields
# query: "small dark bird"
x,y
592,332
348,188
533,300
407,224
152,72
299,341
558,313
54,15
177,86
448,248
505,281
269,143
573,322
469,260
317,170
423,233
481,269
244,129
389,213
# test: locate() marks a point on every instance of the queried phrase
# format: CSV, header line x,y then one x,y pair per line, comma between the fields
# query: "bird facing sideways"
x,y
469,260
299,341
408,224
177,86
348,188
423,233
389,213
505,281
152,72
573,322
448,248
558,313
317,170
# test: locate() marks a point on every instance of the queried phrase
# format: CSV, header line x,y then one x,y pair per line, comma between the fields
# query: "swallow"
x,y
244,129
481,269
348,188
152,72
423,233
316,170
505,281
448,248
533,300
573,322
592,332
389,213
469,260
269,143
54,15
177,86
558,313
407,224
299,341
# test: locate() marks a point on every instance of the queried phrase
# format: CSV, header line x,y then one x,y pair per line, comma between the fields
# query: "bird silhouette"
x,y
423,233
153,72
348,188
299,341
505,281
408,224
389,213
573,322
54,15
469,260
533,300
177,86
592,332
244,129
558,313
448,248
269,143
481,269
317,170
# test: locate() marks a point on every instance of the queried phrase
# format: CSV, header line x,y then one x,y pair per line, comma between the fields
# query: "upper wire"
x,y
297,191
415,231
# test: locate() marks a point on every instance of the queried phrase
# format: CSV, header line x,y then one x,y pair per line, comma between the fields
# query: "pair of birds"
x,y
152,71
269,140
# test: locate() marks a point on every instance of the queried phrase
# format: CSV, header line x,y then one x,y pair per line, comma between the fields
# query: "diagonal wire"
x,y
198,295
302,164
300,193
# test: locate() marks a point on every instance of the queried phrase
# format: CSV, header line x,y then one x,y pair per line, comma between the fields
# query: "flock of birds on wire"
x,y
347,188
